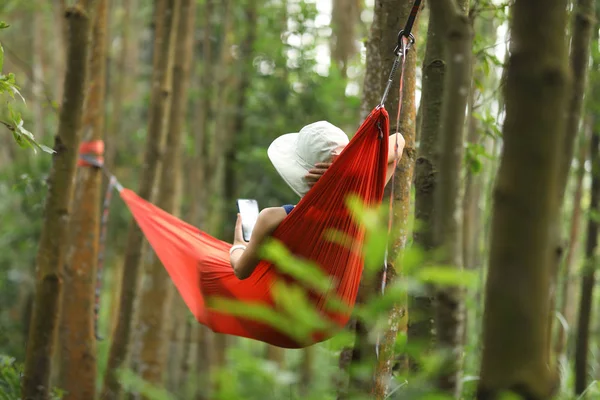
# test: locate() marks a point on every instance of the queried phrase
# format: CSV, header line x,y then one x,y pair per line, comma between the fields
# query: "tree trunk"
x,y
158,108
276,355
157,290
567,306
52,246
449,312
204,362
582,345
583,24
122,84
77,339
61,36
37,68
515,349
223,86
421,322
389,18
306,370
345,16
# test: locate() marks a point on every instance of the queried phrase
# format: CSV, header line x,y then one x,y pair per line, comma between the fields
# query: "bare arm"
x,y
245,261
392,154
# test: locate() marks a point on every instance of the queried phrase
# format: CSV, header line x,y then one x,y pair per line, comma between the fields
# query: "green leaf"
x,y
3,25
448,276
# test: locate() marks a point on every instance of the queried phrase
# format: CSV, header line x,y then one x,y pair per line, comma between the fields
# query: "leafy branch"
x,y
8,85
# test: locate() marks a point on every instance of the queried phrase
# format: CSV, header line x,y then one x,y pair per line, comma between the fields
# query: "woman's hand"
x,y
316,173
238,236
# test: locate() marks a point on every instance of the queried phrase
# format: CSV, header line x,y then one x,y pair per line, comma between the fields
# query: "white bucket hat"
x,y
293,154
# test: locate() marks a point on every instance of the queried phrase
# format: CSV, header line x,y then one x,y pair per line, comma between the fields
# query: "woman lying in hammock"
x,y
301,159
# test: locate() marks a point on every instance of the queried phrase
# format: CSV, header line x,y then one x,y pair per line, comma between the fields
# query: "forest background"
x,y
234,76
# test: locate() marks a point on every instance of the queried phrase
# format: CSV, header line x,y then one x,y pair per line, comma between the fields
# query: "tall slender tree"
x,y
52,246
567,295
77,339
588,275
582,28
515,349
122,82
420,326
389,18
449,308
582,343
345,17
157,290
158,107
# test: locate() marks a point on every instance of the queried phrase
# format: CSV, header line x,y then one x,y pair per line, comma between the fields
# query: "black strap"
x,y
411,19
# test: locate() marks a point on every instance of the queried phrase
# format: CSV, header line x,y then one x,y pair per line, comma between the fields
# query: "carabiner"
x,y
401,36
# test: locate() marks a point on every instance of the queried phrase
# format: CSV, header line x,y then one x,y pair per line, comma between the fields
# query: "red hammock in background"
x,y
199,264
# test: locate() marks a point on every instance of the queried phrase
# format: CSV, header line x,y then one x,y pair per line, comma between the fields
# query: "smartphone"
x,y
249,213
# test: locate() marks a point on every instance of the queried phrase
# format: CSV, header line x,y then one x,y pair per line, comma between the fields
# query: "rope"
x,y
90,155
112,183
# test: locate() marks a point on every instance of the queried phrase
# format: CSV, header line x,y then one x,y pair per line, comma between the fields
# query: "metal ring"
x,y
411,41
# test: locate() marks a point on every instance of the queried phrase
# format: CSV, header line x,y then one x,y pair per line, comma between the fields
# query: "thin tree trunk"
x,y
449,310
122,84
345,17
389,18
306,370
157,290
204,362
246,65
276,355
200,168
52,246
38,74
223,85
582,344
583,24
61,35
567,308
515,349
421,322
130,279
77,339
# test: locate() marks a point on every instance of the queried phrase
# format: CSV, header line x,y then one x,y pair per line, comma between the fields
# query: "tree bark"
x,y
122,84
245,64
582,344
449,310
77,339
276,355
306,370
583,24
61,36
421,318
37,67
389,18
130,280
567,308
157,291
51,250
201,162
515,349
345,16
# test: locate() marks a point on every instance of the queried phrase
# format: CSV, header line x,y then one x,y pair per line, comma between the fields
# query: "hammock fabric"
x,y
199,264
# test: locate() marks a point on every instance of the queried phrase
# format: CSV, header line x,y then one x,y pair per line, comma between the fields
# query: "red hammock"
x,y
199,264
